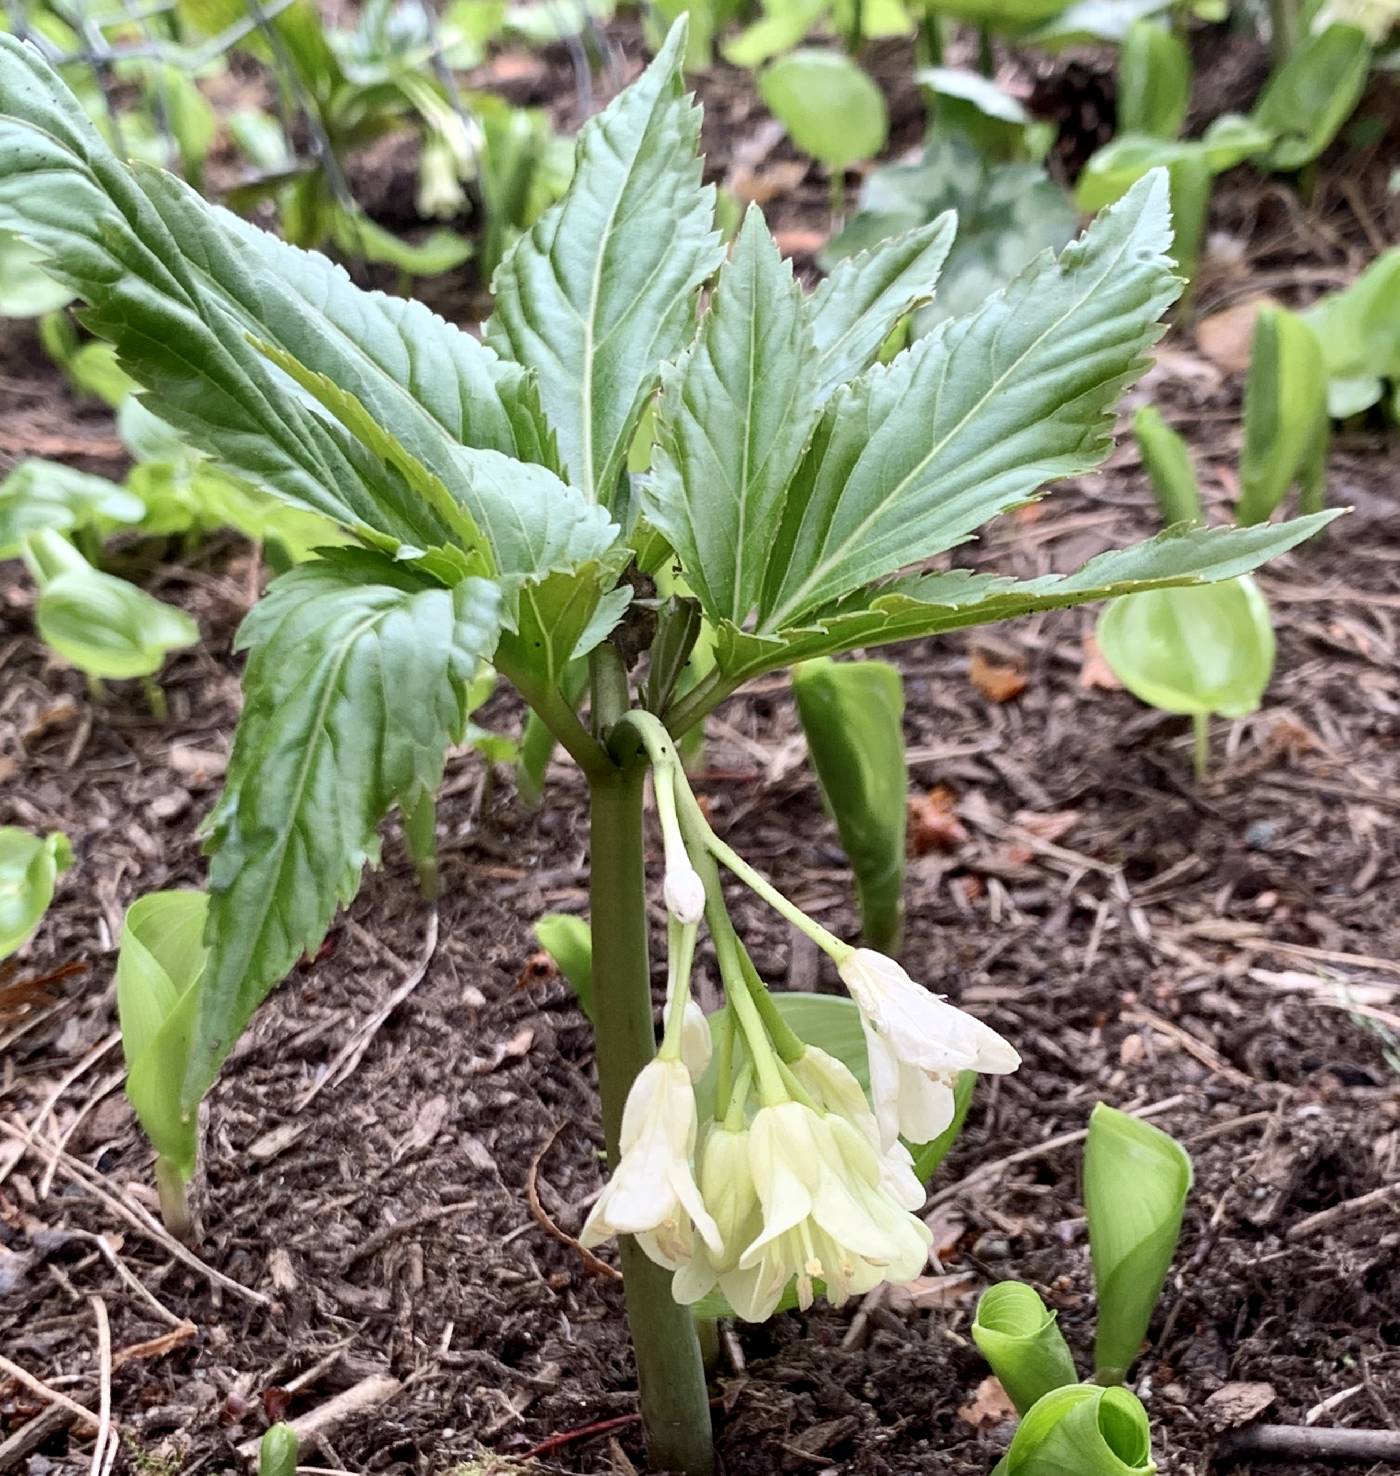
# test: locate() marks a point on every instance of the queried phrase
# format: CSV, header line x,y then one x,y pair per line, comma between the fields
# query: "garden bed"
x,y
1222,956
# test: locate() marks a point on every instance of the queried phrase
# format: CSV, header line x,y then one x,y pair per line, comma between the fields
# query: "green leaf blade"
x,y
974,418
602,288
356,684
733,421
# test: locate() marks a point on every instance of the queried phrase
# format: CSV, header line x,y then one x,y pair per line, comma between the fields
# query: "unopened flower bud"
x,y
685,894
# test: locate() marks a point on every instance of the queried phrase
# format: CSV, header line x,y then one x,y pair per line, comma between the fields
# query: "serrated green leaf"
x,y
356,684
159,967
732,422
1136,1179
29,867
603,286
937,603
559,619
853,310
1315,91
911,459
48,494
178,286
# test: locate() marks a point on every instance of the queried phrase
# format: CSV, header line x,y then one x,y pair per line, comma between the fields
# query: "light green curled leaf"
x,y
29,868
1087,21
603,286
357,681
1359,330
1313,94
1154,80
734,417
1136,1179
935,604
159,968
1286,424
568,940
26,289
1021,1339
48,494
852,715
1196,651
853,310
830,108
1116,167
911,459
1167,458
1082,1430
781,28
102,625
277,1451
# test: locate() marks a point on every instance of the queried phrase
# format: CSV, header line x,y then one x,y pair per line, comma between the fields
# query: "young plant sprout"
x,y
793,482
852,716
29,868
1136,1179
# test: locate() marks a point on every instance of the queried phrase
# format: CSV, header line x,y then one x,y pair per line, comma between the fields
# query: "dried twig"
x,y
318,1423
542,1219
79,1173
14,1371
1347,1210
1309,1443
104,1375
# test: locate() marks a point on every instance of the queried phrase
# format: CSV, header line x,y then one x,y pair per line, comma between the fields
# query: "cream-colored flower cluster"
x,y
798,1178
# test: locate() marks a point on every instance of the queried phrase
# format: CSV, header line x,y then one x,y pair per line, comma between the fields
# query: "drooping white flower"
x,y
826,1213
917,1043
652,1193
831,1084
726,1182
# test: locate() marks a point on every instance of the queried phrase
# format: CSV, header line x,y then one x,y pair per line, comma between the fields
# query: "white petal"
x,y
684,893
696,1045
884,1084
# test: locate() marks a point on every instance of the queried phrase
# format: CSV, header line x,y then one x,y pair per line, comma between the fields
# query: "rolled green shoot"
x,y
1082,1430
277,1451
1136,1179
29,869
568,940
852,713
1020,1337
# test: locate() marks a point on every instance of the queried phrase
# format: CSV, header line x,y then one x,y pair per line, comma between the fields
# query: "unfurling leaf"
x,y
1286,425
1021,1339
852,715
1136,1179
48,494
159,970
1313,94
603,286
1154,80
568,940
1195,651
357,682
1359,330
1168,462
96,622
29,867
1082,1430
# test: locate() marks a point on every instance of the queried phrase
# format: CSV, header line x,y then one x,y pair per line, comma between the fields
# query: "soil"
x,y
1221,955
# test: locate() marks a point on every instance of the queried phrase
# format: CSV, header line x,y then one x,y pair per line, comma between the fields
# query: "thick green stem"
x,y
174,1199
670,1374
420,832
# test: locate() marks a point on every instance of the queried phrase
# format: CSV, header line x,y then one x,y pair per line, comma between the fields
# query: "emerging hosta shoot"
x,y
1136,1179
29,867
1020,1337
159,970
792,481
852,714
568,941
277,1451
102,625
1082,1430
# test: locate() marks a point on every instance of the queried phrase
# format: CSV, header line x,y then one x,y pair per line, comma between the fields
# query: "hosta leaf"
x,y
1313,94
29,867
853,310
48,494
732,423
911,459
603,286
936,603
355,686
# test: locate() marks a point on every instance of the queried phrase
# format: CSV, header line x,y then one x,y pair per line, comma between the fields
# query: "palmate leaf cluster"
x,y
793,478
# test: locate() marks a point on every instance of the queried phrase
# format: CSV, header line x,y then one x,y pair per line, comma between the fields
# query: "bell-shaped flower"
x,y
652,1193
831,1084
917,1043
726,1182
826,1213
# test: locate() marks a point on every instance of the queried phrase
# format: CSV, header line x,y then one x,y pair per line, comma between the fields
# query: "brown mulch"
x,y
1229,950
